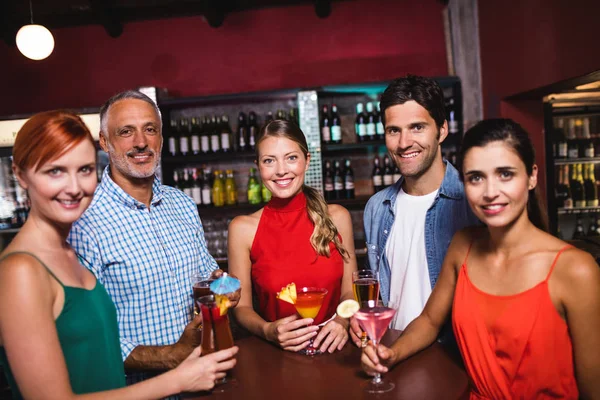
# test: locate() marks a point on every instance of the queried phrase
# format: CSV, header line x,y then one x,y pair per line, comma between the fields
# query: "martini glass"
x,y
375,320
308,304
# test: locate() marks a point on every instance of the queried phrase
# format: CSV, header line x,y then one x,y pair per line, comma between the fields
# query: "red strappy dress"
x,y
281,254
516,346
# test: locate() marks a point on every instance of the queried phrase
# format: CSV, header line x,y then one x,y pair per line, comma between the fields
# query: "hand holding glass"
x,y
365,284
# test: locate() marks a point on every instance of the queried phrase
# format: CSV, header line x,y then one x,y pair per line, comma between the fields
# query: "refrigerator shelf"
x,y
595,160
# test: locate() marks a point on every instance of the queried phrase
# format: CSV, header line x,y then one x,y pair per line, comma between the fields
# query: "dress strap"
x,y
468,251
556,259
38,260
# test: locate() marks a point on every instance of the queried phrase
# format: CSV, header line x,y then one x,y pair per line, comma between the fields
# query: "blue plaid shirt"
x,y
144,258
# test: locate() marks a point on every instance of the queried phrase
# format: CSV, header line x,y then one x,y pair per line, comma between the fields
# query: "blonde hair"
x,y
325,230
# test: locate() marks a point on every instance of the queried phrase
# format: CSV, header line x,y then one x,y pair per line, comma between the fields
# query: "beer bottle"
x,y
348,181
325,125
195,136
184,137
242,132
196,188
377,175
225,134
215,135
172,140
218,190
205,135
338,181
252,130
254,195
336,128
360,125
371,122
265,193
328,182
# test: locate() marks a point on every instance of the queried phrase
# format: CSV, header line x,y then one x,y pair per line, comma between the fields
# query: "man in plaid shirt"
x,y
143,240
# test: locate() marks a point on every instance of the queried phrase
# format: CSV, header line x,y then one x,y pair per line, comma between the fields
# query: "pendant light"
x,y
35,41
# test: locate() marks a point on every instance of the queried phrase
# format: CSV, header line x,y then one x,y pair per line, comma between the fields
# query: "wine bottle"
x,y
360,126
336,128
379,127
577,190
371,122
377,175
591,191
215,135
338,181
172,140
252,130
195,135
328,181
348,180
388,174
242,132
184,137
325,125
225,134
205,135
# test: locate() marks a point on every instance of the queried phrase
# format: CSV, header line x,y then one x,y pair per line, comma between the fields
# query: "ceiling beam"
x,y
107,16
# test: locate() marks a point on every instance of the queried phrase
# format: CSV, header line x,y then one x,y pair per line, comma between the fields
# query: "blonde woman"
x,y
296,238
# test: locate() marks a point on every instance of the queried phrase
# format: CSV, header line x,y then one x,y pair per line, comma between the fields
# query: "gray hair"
x,y
128,94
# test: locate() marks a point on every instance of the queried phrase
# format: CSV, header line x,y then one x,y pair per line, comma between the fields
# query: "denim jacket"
x,y
448,214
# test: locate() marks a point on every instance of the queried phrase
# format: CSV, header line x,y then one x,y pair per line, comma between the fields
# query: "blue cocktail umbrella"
x,y
225,284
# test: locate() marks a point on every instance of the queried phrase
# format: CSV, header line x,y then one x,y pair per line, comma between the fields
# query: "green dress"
x,y
89,337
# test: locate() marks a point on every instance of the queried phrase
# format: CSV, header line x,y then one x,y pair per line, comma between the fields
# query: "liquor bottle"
x,y
325,125
328,181
348,180
215,135
184,137
563,191
388,173
218,190
591,191
380,129
293,116
336,128
280,114
589,150
573,149
187,184
195,135
577,190
242,132
338,181
225,134
252,130
196,188
453,127
254,195
397,174
593,229
206,190
176,184
562,151
265,193
371,122
269,117
230,189
172,140
377,175
360,126
205,135
579,233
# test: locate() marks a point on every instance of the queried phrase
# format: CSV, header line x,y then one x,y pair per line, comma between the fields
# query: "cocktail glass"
x,y
365,284
375,320
201,287
216,333
308,304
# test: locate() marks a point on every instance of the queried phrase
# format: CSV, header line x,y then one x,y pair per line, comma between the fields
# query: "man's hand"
x,y
189,340
234,297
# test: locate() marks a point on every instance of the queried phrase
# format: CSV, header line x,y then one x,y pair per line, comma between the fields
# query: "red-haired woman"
x,y
58,326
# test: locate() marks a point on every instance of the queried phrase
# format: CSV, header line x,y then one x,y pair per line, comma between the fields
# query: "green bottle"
x,y
253,188
218,190
266,193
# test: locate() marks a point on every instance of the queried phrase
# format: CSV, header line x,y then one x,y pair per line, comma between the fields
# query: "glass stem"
x,y
377,377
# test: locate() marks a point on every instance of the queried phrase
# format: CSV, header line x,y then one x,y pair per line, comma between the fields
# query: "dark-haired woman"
x,y
296,238
525,305
59,337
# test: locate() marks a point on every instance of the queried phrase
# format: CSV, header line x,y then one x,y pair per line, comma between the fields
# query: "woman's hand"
x,y
376,361
291,333
355,332
233,297
332,336
200,373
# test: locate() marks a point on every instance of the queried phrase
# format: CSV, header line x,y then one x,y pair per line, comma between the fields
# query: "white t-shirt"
x,y
410,286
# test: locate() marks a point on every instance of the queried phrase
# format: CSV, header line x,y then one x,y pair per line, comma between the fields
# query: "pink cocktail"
x,y
375,321
308,304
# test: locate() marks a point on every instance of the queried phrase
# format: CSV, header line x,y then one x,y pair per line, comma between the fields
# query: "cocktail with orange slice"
x,y
307,301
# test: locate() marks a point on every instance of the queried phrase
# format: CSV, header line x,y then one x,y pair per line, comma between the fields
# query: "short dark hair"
x,y
513,135
128,94
425,91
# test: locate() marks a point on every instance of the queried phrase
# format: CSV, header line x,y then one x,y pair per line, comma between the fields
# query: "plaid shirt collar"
x,y
112,189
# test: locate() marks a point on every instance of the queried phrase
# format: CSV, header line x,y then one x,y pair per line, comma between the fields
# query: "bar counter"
x,y
265,371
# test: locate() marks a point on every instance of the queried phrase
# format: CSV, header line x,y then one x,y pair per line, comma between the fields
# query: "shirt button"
x,y
378,257
385,231
373,247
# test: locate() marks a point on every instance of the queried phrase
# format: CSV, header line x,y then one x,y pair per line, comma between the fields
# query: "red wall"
x,y
362,40
530,44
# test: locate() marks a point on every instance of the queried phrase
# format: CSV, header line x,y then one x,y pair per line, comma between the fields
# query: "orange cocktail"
x,y
308,304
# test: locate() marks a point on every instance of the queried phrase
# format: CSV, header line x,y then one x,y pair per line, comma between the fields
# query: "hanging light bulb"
x,y
35,41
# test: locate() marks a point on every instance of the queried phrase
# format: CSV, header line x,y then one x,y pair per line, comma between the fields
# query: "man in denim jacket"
x,y
409,225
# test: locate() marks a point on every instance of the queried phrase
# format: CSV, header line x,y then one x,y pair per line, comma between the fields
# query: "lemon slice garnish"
x,y
347,308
